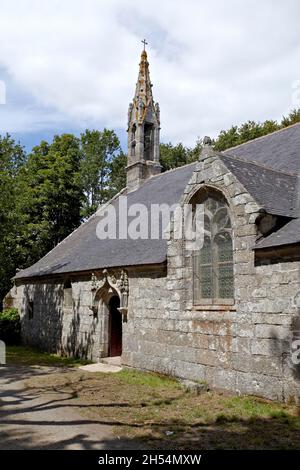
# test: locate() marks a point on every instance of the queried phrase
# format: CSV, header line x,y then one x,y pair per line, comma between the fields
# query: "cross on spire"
x,y
144,42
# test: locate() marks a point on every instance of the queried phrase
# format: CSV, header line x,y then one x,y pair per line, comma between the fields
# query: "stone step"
x,y
114,361
101,367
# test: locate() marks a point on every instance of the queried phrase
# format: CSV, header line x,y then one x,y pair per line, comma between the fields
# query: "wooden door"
x,y
115,321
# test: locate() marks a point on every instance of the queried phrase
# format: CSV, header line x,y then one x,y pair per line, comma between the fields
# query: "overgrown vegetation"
x,y
10,326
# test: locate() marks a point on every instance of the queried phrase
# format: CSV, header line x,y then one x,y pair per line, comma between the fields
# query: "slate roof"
x,y
83,251
287,235
267,167
275,190
279,150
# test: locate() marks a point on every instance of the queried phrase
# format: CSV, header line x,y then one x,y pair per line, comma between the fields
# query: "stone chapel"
x,y
228,313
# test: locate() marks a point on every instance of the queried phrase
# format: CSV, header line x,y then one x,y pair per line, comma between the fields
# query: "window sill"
x,y
215,308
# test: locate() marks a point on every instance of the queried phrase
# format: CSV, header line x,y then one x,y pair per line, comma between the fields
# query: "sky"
x,y
69,65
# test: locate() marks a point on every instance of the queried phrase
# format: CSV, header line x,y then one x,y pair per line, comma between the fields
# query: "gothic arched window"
x,y
148,141
213,263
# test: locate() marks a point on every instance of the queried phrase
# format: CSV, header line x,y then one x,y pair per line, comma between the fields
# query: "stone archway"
x,y
102,302
110,312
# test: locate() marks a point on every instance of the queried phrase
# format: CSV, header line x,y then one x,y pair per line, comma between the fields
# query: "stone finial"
x,y
130,108
207,140
157,111
207,150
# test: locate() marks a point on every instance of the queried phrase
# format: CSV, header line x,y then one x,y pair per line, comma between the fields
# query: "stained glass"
x,y
206,282
223,246
225,282
213,264
205,252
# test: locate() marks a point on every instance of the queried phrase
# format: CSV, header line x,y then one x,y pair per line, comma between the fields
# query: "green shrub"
x,y
10,326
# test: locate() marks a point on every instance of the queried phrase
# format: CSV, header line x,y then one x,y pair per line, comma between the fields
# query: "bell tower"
x,y
143,130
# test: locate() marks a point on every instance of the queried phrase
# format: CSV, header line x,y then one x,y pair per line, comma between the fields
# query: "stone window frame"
x,y
30,309
202,194
67,295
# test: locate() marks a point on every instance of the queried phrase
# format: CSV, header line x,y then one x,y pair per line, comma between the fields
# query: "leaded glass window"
x,y
213,263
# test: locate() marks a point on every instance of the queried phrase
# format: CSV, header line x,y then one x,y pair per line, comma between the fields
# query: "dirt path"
x,y
33,419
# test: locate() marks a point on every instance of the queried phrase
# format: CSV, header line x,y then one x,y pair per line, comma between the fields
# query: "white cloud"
x,y
213,63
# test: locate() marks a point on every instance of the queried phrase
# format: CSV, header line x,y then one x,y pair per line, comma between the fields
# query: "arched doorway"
x,y
115,327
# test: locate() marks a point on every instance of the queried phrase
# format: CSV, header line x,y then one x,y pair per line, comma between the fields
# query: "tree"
x,y
194,153
173,156
51,196
117,175
12,159
227,139
98,151
269,126
251,130
292,118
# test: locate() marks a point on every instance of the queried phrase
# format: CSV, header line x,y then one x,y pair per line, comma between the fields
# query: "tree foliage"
x,y
173,156
99,150
292,118
50,202
12,159
10,327
237,135
117,176
45,195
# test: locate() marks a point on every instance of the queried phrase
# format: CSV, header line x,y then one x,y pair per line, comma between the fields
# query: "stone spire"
x,y
143,130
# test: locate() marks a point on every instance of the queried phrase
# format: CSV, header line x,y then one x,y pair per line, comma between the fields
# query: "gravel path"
x,y
35,419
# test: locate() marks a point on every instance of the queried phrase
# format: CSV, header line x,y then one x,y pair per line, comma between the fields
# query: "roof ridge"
x,y
261,165
263,136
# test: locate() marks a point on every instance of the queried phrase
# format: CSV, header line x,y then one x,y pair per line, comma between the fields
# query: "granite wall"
x,y
245,347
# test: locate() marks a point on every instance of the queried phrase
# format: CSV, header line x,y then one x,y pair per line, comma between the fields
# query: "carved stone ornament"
x,y
94,282
110,282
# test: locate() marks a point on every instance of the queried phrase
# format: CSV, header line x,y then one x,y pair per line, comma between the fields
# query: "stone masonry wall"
x,y
245,348
72,331
144,344
76,332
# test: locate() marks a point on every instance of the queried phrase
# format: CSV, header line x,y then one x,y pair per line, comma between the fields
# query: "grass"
x,y
156,411
23,355
152,380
